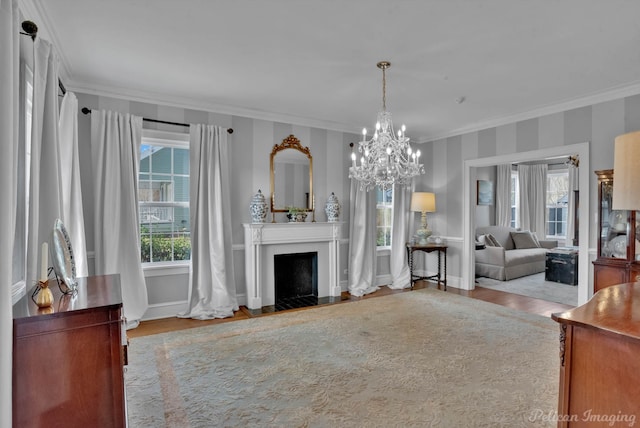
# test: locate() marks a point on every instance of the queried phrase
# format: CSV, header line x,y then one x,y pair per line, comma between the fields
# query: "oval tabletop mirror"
x,y
291,176
63,263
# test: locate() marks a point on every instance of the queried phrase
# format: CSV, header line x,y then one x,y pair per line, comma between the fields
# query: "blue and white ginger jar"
x,y
258,208
332,208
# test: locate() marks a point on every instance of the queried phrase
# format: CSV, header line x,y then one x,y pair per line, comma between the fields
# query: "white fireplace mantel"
x,y
262,241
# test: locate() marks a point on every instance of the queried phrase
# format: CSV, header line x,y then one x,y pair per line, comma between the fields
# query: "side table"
x,y
428,248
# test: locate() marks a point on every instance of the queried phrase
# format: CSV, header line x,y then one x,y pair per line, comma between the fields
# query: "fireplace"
x,y
296,280
265,241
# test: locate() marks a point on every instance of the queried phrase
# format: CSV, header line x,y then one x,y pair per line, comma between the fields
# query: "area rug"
x,y
534,286
416,359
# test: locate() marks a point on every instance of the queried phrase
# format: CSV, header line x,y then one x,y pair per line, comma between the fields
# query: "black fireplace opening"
x,y
296,280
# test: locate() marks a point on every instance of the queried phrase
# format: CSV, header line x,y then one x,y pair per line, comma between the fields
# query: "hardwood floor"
x,y
514,301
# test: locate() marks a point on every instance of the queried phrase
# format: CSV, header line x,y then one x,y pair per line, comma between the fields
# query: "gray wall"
x,y
598,124
253,140
250,146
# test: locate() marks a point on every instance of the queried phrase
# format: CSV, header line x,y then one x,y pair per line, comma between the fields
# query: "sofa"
x,y
505,253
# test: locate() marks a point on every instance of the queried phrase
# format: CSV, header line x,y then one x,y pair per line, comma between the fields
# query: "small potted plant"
x,y
296,214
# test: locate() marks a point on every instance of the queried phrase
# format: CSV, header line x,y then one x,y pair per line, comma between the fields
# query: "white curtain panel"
x,y
115,156
571,208
212,284
400,273
9,131
72,212
503,195
533,196
362,241
45,193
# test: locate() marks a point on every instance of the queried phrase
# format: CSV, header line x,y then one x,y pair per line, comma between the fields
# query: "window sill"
x,y
164,269
383,251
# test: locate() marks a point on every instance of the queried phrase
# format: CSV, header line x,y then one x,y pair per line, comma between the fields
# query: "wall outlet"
x,y
346,271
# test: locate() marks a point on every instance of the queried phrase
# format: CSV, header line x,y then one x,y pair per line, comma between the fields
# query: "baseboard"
x,y
171,309
164,310
452,281
382,280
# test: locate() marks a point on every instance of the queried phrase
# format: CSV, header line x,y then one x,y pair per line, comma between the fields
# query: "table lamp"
x,y
423,202
626,172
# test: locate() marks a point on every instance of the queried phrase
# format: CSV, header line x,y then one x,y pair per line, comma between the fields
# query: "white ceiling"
x,y
314,62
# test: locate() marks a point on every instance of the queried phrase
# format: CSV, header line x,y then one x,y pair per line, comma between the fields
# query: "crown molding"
x,y
189,103
610,94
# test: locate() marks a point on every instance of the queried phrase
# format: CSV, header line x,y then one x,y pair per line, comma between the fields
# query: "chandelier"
x,y
387,158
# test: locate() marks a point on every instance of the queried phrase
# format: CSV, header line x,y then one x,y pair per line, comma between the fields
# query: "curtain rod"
x,y
31,29
85,110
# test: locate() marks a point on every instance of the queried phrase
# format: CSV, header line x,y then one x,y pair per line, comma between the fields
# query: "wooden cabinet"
x,y
617,259
599,364
68,359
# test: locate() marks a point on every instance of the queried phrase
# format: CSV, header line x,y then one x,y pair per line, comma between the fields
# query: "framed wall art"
x,y
485,192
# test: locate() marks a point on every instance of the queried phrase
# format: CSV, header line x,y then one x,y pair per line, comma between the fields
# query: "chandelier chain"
x,y
384,89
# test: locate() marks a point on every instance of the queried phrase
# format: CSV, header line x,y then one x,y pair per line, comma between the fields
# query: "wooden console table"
x,y
428,248
68,359
599,364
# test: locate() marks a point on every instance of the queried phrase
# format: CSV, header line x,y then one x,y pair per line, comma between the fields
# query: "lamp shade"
x,y
424,202
626,172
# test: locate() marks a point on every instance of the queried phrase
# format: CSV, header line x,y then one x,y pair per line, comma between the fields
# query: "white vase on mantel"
x,y
332,208
258,208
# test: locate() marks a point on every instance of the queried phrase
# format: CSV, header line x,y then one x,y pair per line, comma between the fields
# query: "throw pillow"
x,y
524,239
491,241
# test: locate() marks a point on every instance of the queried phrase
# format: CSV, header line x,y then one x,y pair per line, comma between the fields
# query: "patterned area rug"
x,y
418,359
535,286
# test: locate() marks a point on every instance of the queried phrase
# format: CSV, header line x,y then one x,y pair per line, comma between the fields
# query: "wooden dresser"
x,y
68,364
600,358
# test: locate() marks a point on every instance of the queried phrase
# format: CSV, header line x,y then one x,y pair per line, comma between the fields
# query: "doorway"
x,y
469,180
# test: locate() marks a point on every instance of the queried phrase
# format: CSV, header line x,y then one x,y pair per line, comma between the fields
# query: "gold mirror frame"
x,y
291,142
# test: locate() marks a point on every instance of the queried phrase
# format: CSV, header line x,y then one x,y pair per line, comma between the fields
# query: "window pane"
x,y
384,215
181,220
182,247
181,189
181,161
161,161
145,152
145,244
144,192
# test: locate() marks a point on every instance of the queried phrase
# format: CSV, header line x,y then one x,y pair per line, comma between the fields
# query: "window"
x,y
557,203
24,159
163,197
384,205
515,200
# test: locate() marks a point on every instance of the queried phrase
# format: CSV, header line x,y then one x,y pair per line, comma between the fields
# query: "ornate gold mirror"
x,y
291,176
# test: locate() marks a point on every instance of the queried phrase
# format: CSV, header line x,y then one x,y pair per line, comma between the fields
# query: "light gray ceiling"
x,y
313,62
